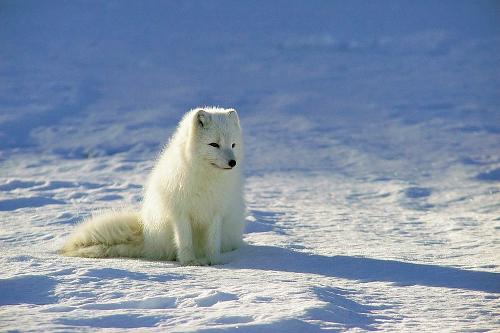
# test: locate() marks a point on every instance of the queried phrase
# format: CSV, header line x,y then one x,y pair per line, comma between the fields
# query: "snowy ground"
x,y
372,133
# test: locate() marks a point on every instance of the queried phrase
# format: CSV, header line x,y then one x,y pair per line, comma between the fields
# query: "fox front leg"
x,y
184,241
213,242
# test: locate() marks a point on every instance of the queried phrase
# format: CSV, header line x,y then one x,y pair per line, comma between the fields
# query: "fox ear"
x,y
202,118
232,114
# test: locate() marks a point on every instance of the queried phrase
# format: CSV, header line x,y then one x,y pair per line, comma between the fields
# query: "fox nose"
x,y
232,163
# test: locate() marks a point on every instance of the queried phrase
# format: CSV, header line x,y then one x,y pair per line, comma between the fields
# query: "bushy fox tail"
x,y
110,234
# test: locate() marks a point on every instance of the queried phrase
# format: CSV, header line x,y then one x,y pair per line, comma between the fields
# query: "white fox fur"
x,y
193,207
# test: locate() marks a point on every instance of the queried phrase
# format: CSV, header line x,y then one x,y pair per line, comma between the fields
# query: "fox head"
x,y
216,137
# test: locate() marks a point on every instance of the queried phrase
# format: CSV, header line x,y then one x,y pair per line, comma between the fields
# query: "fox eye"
x,y
213,144
234,144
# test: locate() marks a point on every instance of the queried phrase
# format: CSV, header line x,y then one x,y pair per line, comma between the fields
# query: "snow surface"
x,y
372,133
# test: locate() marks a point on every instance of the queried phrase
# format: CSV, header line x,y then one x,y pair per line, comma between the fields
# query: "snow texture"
x,y
372,172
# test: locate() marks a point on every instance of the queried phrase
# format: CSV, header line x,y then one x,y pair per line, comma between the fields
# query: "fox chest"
x,y
202,207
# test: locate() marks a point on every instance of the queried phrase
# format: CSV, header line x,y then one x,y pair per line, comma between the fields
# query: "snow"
x,y
372,135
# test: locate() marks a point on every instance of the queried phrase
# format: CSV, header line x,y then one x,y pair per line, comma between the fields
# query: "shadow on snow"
x,y
366,269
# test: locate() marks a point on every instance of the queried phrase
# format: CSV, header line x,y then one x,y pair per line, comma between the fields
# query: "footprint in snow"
x,y
213,297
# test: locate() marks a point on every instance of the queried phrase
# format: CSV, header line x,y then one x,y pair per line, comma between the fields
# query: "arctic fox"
x,y
193,207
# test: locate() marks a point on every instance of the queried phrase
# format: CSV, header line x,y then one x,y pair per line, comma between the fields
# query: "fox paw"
x,y
190,262
201,261
211,261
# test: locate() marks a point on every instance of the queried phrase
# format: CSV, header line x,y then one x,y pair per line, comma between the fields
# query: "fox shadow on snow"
x,y
341,312
366,269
